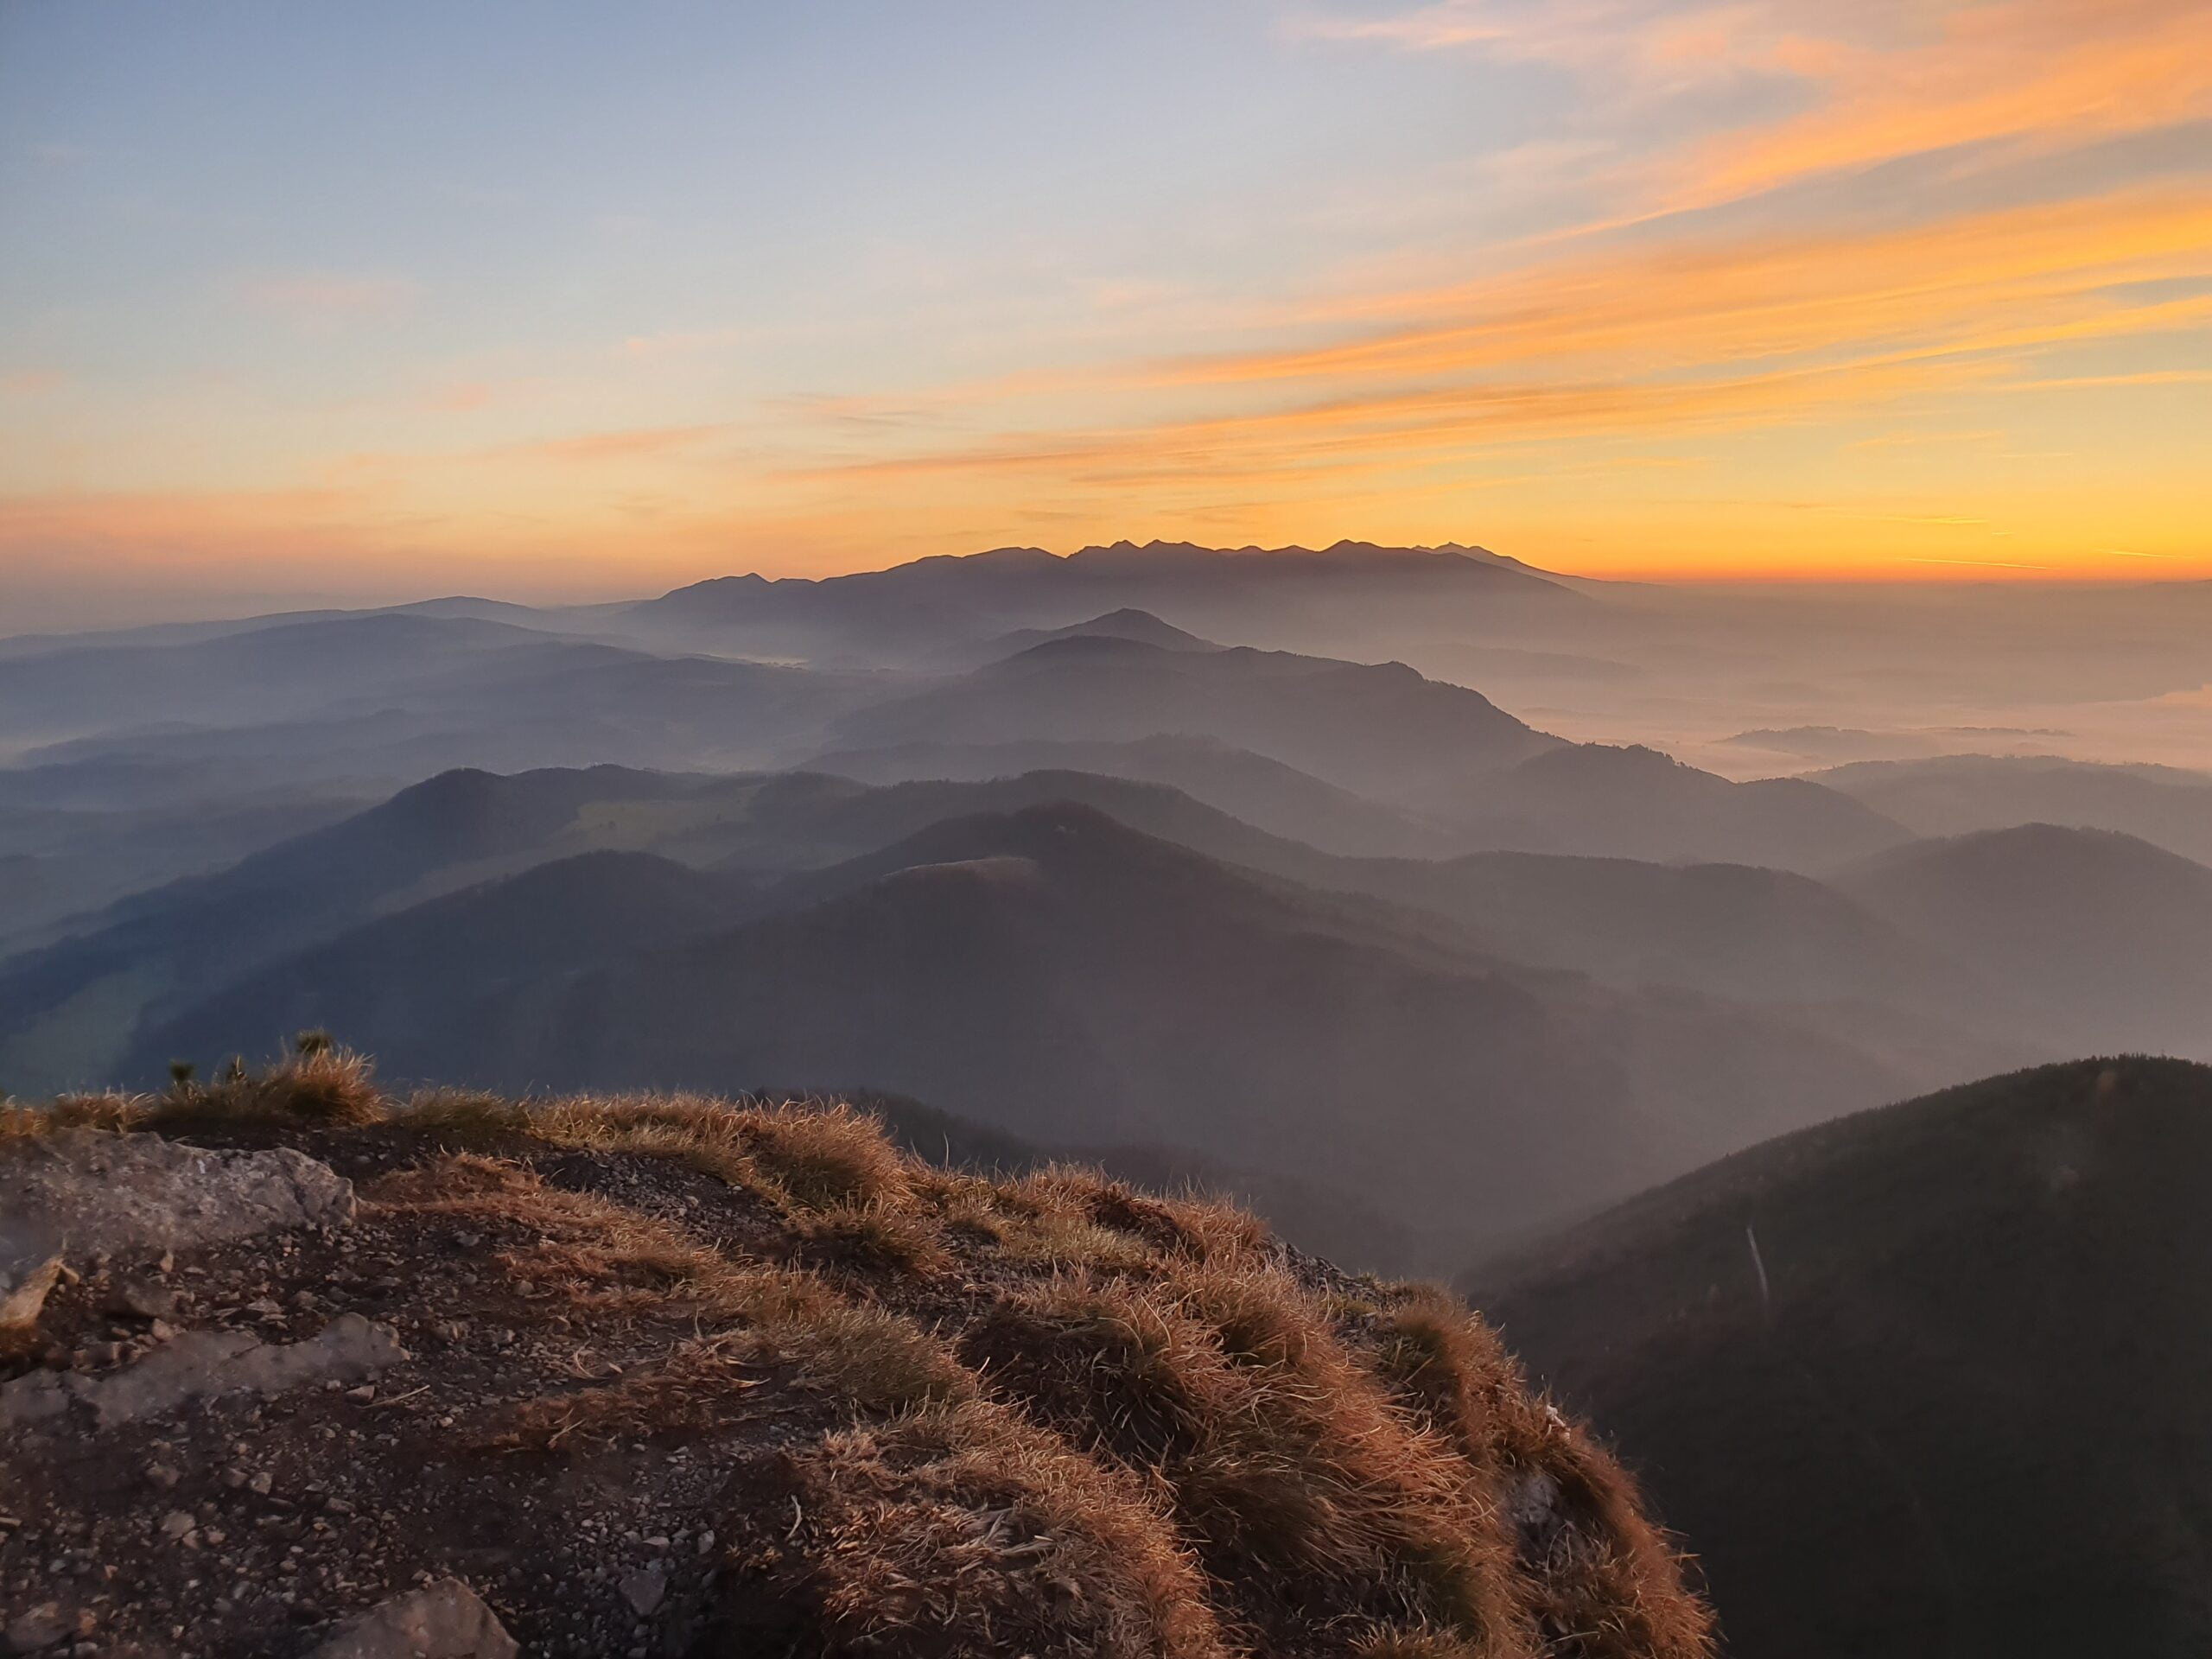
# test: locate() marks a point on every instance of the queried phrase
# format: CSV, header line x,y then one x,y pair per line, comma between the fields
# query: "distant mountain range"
x,y
1927,1383
1052,973
506,929
904,612
1626,963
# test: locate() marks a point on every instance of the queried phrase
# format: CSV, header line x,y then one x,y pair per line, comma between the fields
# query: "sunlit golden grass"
x,y
316,1083
111,1111
1043,1414
966,1529
1287,1465
1599,1580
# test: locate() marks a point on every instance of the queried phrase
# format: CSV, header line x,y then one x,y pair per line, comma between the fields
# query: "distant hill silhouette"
x,y
1382,729
1637,802
1957,794
1264,793
1128,623
2110,937
1953,1406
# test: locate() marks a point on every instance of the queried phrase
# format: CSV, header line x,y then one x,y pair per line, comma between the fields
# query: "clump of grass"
x,y
600,1259
870,1360
465,1111
873,1237
966,1206
318,1081
116,1112
964,1531
1597,1578
706,1134
824,1156
1074,1212
1411,1645
590,1253
1287,1466
802,1155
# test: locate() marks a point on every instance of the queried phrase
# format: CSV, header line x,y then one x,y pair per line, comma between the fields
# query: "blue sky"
x,y
562,299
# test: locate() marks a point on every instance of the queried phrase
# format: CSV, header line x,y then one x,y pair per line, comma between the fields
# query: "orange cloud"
x,y
2015,277
2044,73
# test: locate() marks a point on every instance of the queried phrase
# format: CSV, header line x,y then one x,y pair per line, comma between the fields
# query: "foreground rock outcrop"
x,y
666,1377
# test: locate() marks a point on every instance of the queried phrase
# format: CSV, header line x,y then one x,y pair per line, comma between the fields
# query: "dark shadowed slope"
x,y
2108,937
68,1011
415,982
73,1007
1957,794
1057,975
1972,1423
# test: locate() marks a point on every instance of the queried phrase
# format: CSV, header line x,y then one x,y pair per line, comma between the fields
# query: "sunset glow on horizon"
x,y
564,302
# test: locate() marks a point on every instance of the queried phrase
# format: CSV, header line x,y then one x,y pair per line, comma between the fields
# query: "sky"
x,y
566,301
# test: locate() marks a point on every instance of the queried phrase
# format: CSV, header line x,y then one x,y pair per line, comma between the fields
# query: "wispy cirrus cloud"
x,y
1859,86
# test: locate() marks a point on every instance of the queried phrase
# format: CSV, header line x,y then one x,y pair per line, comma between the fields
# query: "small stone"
x,y
643,1589
261,1482
162,1330
163,1475
42,1627
706,1542
659,1540
363,1395
134,1299
176,1524
445,1617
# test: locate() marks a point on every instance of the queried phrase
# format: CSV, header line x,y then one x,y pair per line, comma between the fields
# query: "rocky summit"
x,y
294,1368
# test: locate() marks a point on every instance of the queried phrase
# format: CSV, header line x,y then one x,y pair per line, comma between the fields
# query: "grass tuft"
x,y
965,1531
1597,1578
325,1085
1288,1468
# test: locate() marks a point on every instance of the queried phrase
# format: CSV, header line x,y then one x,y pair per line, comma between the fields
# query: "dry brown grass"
x,y
965,1531
112,1112
807,1156
599,1259
322,1085
1288,1468
1411,1645
1599,1580
1150,1439
872,1238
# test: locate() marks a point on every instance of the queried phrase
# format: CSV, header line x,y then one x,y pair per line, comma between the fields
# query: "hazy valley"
x,y
1165,861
